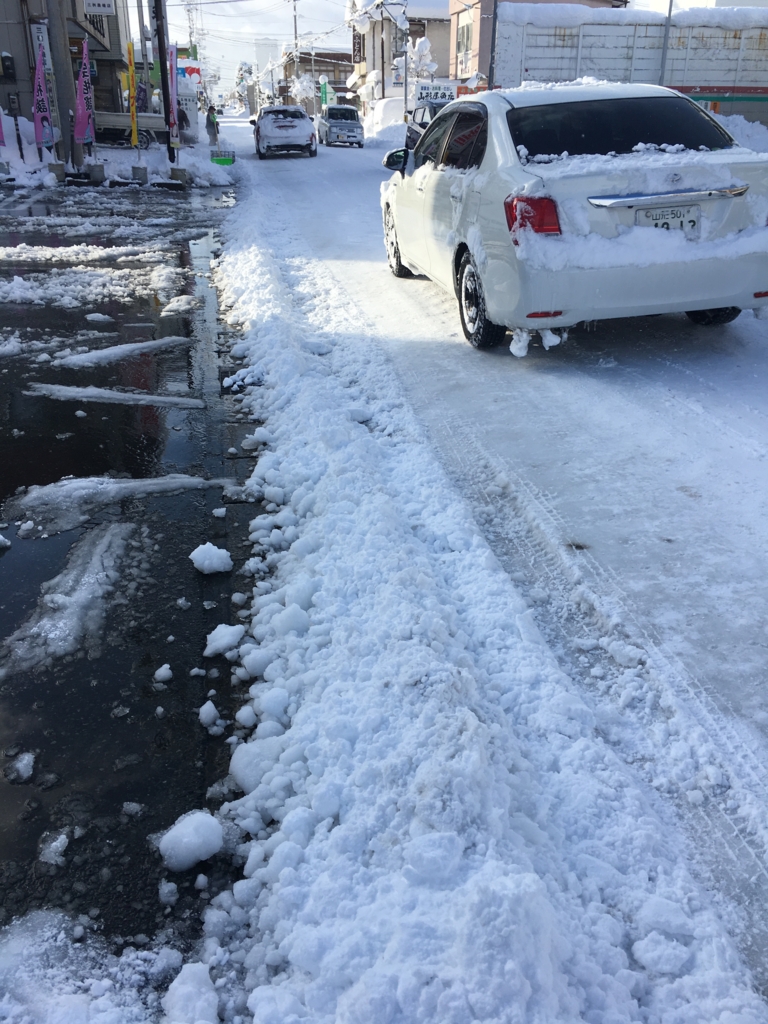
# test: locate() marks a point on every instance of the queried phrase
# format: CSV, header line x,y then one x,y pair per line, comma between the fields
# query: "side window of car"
x,y
467,142
430,144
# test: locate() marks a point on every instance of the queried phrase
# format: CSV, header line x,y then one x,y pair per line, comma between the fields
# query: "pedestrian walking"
x,y
212,126
181,117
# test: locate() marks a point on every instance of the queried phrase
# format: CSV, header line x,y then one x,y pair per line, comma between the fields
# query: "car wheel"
x,y
360,145
312,150
397,267
713,317
479,331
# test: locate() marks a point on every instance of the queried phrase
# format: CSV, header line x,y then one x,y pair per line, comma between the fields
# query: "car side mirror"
x,y
395,160
252,121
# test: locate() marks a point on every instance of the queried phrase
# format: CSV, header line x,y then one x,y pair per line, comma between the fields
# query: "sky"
x,y
230,29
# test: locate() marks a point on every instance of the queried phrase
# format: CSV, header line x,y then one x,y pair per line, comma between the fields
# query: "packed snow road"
x,y
619,479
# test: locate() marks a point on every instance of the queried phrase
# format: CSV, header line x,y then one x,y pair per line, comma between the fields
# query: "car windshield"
x,y
288,112
342,114
607,127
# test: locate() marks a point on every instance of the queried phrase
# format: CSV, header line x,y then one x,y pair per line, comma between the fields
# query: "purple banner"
x,y
41,110
85,128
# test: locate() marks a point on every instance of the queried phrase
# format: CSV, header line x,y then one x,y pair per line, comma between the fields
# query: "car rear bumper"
x,y
513,292
286,147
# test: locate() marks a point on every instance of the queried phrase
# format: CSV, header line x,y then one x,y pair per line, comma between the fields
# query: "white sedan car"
x,y
544,207
284,130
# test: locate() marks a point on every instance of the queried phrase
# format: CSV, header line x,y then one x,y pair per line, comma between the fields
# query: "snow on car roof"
x,y
533,94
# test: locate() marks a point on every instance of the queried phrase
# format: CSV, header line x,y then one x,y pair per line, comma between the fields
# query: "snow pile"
x,y
4,542
224,638
63,393
191,997
207,558
78,286
196,836
749,134
83,253
437,830
21,768
71,502
99,356
72,606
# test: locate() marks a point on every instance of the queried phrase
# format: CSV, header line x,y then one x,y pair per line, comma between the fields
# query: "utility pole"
x,y
144,60
383,65
665,47
58,37
162,55
492,62
295,42
314,86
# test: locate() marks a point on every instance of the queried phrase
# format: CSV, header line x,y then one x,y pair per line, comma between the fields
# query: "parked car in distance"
x,y
283,130
421,118
339,123
543,208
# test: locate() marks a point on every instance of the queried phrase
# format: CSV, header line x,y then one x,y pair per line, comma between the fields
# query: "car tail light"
x,y
539,213
544,316
760,295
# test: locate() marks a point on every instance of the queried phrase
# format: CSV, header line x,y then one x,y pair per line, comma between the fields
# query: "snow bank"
x,y
78,286
196,836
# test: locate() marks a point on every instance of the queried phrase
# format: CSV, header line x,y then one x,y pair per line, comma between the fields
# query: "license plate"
x,y
671,218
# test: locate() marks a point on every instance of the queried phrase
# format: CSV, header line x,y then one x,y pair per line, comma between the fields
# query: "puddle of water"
x,y
92,721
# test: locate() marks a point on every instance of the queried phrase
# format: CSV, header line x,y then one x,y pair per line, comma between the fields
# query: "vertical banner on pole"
x,y
2,137
173,119
41,110
85,127
132,96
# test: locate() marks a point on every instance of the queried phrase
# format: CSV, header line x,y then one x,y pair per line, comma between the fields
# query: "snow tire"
x,y
396,265
714,317
479,331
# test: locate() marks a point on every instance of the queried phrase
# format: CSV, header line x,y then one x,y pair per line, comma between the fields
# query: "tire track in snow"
x,y
737,827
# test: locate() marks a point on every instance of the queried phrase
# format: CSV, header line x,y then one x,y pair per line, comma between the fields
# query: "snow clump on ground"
x,y
207,558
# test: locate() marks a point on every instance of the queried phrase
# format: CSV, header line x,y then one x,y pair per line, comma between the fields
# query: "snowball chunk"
x,y
194,837
4,542
222,639
191,997
208,714
208,558
219,513
163,674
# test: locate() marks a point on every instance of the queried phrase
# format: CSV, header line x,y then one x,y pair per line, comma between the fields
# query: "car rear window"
x,y
342,114
286,113
603,127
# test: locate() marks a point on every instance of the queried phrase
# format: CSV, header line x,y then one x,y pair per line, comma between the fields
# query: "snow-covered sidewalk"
x,y
428,821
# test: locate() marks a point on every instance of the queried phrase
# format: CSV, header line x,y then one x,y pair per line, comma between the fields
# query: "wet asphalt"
x,y
91,718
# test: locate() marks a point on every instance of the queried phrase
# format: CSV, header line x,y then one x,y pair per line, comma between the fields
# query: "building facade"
x,y
336,65
375,48
24,27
